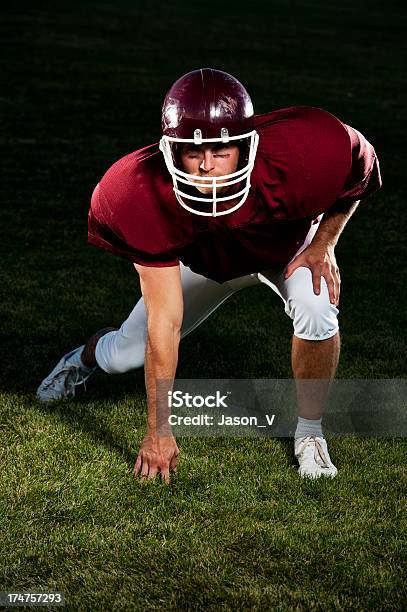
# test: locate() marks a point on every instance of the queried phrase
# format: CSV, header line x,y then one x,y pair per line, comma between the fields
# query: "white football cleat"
x,y
313,457
63,380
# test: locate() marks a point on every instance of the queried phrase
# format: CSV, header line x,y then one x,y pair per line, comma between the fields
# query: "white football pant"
x,y
314,317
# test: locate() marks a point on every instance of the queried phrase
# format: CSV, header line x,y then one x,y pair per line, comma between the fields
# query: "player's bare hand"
x,y
157,455
321,260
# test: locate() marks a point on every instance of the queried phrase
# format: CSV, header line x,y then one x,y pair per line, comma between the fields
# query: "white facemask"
x,y
213,182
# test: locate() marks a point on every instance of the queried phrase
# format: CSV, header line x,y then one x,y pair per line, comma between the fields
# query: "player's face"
x,y
210,159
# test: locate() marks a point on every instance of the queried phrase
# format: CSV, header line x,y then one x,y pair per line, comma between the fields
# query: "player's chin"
x,y
204,190
208,190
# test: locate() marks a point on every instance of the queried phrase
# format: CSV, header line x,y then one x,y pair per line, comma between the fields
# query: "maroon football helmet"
x,y
208,106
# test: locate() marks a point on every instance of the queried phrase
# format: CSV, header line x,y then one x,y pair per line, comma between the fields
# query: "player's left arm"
x,y
319,256
363,179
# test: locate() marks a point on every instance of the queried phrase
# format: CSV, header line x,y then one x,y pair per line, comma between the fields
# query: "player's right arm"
x,y
162,293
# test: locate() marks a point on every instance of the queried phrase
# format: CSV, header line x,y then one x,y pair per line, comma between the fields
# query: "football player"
x,y
226,200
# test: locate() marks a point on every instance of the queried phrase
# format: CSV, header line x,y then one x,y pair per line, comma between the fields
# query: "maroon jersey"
x,y
306,161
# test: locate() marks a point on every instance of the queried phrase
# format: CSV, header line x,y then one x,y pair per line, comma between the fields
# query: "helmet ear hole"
x,y
176,153
244,151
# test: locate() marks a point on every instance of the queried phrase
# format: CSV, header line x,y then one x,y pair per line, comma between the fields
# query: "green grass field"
x,y
82,85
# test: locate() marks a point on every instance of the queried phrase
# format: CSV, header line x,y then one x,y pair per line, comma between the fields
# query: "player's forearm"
x,y
333,223
160,365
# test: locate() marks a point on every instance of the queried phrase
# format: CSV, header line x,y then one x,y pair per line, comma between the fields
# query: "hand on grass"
x,y
320,259
157,455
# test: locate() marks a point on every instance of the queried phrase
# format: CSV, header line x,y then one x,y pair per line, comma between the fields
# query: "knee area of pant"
x,y
319,327
314,307
114,356
314,317
301,297
124,363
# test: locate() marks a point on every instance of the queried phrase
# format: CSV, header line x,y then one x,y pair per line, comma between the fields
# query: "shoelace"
x,y
73,379
56,378
319,453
